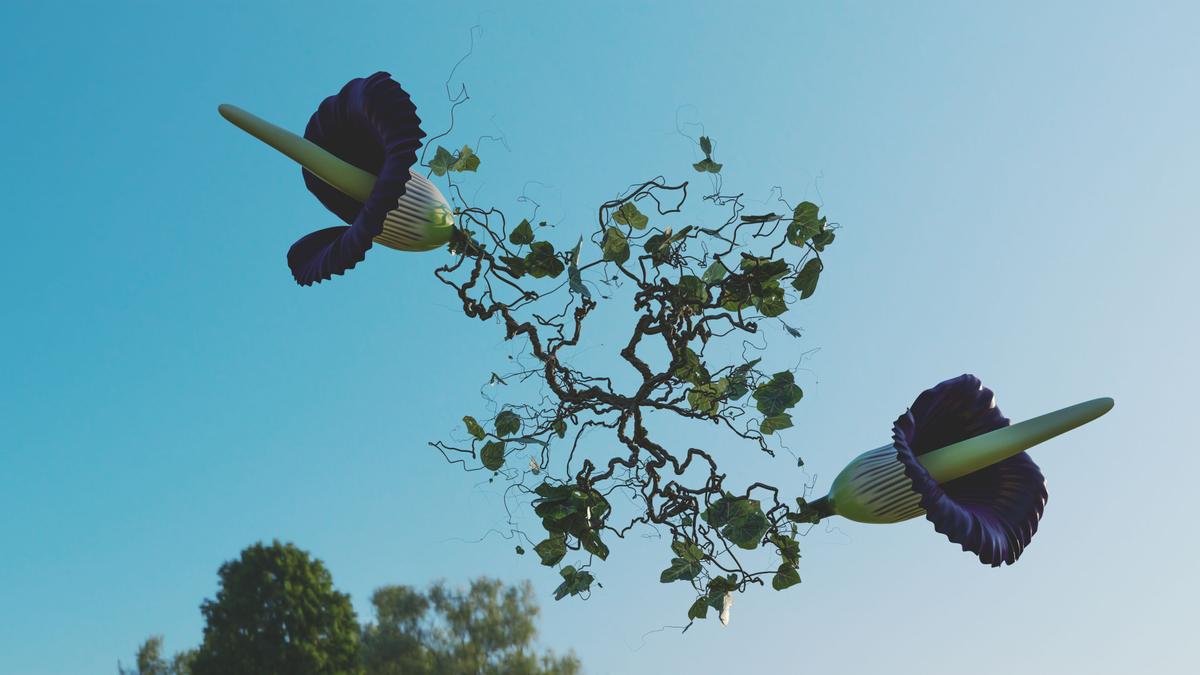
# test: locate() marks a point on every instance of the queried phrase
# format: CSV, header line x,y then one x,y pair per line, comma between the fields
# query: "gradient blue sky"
x,y
1016,183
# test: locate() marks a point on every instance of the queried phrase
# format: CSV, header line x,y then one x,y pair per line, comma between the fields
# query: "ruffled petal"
x,y
993,512
372,124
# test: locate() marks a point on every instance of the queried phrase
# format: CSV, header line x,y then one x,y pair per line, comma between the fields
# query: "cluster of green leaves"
x,y
445,161
686,280
507,423
573,517
540,261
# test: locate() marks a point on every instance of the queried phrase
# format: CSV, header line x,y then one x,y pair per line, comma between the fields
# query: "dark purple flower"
x,y
992,512
372,124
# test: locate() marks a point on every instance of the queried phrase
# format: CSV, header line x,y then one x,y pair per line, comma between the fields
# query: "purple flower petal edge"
x,y
993,512
372,124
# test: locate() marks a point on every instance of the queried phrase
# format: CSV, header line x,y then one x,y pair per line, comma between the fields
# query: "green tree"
x,y
150,661
485,629
277,613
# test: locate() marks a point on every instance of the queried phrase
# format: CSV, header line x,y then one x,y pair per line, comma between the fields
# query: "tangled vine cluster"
x,y
690,288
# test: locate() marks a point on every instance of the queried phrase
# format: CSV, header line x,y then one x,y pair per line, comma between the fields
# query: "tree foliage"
x,y
487,628
150,660
277,612
690,286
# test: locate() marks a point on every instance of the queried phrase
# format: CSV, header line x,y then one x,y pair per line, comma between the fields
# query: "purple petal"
x,y
993,512
372,124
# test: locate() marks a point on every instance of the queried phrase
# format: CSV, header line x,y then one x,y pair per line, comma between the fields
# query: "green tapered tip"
x,y
973,454
341,175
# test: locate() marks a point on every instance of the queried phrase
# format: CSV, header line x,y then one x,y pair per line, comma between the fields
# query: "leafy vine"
x,y
689,288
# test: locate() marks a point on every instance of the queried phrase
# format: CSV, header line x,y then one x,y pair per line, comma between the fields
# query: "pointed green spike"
x,y
973,454
341,175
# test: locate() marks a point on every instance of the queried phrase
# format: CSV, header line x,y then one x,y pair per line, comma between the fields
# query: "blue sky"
x,y
1016,189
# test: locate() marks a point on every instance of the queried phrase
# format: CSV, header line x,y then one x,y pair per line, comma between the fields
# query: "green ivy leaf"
x,y
515,265
541,261
775,422
552,550
747,527
706,398
739,380
467,160
763,271
805,223
574,582
522,234
628,214
775,397
615,247
715,272
687,550
822,240
699,608
785,577
473,428
806,278
493,455
692,290
728,507
658,248
507,423
680,570
590,540
442,161
771,302
692,370
789,549
706,146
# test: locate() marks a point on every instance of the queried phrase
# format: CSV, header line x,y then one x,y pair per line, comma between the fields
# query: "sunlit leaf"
x,y
680,570
467,160
777,395
552,550
775,422
706,398
441,162
715,272
746,529
805,224
615,247
629,214
473,428
806,278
